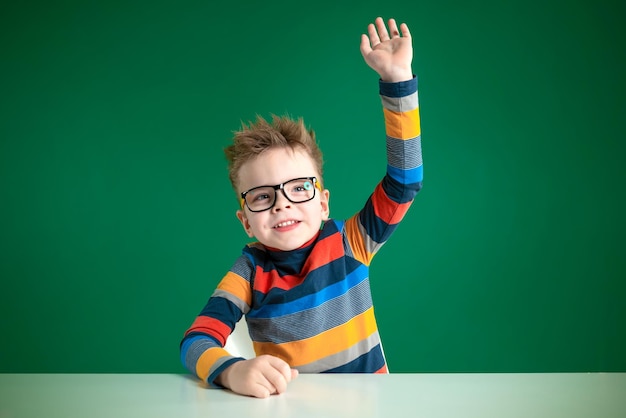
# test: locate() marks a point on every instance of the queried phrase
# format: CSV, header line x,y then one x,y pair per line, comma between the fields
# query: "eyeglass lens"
x,y
296,191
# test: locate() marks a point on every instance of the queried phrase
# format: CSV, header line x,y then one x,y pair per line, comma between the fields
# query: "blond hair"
x,y
256,137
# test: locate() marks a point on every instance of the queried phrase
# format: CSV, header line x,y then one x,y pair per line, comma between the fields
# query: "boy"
x,y
304,288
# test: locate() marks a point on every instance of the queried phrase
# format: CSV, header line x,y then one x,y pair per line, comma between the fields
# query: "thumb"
x,y
366,48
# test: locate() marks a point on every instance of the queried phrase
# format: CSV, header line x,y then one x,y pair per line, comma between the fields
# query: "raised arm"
x,y
390,55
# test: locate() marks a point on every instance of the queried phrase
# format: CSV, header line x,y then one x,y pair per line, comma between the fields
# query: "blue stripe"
x,y
188,341
377,229
399,192
409,176
323,276
401,89
317,279
223,310
313,300
367,363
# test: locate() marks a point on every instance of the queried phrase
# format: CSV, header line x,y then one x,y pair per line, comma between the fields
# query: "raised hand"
x,y
259,377
389,53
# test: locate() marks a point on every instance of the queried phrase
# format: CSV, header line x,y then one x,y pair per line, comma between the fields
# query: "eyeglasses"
x,y
263,198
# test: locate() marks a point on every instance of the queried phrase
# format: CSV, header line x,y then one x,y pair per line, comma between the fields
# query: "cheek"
x,y
315,212
254,222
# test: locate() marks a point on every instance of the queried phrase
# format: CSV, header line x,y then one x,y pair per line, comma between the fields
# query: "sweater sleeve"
x,y
202,347
371,227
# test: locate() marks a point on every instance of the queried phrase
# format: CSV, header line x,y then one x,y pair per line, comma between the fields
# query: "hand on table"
x,y
259,377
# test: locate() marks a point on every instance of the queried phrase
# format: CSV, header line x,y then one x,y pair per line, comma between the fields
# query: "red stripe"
x,y
211,326
386,209
328,250
382,370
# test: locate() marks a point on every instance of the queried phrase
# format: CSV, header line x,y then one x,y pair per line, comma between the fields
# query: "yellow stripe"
x,y
327,343
207,360
356,241
402,125
236,285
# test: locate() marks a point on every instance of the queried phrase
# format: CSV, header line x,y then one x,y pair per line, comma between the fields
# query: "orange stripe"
x,y
356,241
236,285
333,341
207,360
382,370
402,125
386,209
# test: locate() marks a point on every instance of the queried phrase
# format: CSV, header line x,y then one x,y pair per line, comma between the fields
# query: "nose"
x,y
281,201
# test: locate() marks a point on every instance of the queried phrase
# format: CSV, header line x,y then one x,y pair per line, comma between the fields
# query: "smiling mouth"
x,y
286,223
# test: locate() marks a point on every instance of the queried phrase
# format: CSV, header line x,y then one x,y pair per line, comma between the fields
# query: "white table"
x,y
596,395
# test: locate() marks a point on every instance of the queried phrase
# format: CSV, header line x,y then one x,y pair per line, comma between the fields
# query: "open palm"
x,y
386,52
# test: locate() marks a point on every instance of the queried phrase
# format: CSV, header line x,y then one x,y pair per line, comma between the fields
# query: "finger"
x,y
373,35
264,386
260,390
280,374
405,30
276,380
366,48
281,366
393,28
294,373
383,35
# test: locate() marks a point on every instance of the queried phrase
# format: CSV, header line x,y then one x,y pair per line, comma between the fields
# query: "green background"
x,y
117,218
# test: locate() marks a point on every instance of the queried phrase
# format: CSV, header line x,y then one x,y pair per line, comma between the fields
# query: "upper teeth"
x,y
286,223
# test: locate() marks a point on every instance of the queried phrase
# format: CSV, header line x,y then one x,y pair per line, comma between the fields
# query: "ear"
x,y
325,202
244,222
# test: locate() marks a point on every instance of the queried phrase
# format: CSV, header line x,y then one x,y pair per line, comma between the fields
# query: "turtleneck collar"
x,y
292,261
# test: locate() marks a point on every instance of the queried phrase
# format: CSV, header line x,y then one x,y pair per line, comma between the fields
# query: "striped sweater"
x,y
312,306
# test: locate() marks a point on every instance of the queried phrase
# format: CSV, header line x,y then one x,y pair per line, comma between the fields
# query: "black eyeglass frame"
x,y
281,187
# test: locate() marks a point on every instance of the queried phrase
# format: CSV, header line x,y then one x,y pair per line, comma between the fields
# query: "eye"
x,y
302,187
260,197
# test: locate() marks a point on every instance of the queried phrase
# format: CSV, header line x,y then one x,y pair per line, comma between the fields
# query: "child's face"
x,y
286,226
